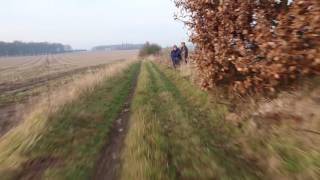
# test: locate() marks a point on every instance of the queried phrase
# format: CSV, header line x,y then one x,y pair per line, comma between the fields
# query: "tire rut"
x,y
109,161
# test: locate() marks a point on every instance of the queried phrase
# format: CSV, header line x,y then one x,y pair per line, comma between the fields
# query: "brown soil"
x,y
34,169
109,161
7,120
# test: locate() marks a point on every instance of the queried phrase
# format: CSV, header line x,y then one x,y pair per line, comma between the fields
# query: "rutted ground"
x,y
177,133
71,143
108,163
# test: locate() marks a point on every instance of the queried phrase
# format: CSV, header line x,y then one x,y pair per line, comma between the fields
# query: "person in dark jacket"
x,y
175,56
184,52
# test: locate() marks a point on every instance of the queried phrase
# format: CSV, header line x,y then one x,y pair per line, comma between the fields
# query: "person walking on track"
x,y
175,56
184,52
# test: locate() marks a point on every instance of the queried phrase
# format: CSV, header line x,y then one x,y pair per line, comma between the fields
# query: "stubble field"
x,y
13,69
24,78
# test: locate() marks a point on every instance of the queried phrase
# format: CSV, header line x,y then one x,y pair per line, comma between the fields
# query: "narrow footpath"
x,y
109,161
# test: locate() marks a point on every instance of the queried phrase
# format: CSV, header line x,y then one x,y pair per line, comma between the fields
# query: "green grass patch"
x,y
144,155
280,153
207,118
174,134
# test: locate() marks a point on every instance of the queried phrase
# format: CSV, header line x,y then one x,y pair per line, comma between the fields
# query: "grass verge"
x,y
177,132
270,151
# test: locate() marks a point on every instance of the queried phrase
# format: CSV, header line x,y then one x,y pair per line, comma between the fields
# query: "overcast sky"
x,y
87,23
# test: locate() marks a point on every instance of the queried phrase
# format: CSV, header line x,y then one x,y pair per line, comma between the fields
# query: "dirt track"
x,y
109,161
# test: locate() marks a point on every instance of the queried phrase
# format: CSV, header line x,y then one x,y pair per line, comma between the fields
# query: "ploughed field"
x,y
25,77
13,69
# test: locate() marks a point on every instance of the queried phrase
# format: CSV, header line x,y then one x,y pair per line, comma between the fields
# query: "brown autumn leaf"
x,y
253,46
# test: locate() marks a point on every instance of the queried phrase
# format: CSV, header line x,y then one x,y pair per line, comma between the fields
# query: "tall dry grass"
x,y
19,140
187,71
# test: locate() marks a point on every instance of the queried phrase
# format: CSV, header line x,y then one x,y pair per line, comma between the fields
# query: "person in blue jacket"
x,y
175,56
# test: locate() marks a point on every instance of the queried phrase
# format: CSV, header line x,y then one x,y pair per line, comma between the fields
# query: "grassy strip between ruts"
x,y
279,154
77,132
176,133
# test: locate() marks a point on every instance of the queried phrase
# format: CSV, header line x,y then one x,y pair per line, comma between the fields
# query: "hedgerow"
x,y
253,45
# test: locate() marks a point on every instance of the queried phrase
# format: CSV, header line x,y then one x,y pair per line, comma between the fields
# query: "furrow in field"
x,y
6,87
25,62
27,67
9,71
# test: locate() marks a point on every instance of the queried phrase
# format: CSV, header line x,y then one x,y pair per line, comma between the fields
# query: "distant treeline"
x,y
118,47
18,48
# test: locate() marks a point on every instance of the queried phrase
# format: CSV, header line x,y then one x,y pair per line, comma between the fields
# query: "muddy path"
x,y
109,162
